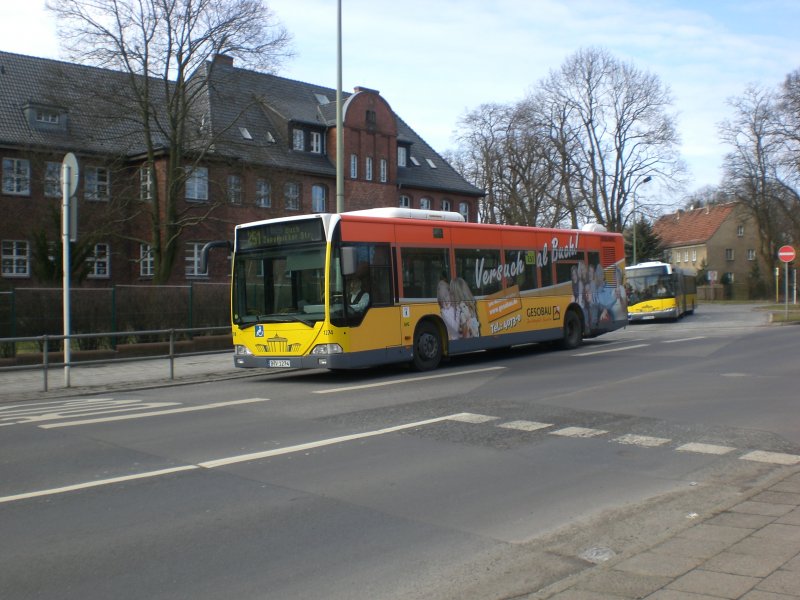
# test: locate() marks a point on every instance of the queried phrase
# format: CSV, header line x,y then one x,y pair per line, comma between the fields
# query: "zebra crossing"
x,y
55,410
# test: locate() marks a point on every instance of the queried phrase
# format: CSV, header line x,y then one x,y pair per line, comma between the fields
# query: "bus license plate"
x,y
279,363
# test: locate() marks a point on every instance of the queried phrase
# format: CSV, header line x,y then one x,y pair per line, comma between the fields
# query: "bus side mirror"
x,y
348,260
207,248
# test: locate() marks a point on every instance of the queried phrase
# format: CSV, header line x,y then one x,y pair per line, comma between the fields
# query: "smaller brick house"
x,y
720,241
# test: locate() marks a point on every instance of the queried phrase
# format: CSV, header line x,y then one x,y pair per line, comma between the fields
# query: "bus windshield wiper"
x,y
285,319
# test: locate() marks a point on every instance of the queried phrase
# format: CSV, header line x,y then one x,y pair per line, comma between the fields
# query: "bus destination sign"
x,y
278,234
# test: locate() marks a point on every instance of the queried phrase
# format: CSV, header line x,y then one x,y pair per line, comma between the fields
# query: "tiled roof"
x,y
264,105
695,226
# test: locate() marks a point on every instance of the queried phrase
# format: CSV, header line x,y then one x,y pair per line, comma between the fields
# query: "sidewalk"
x,y
99,378
748,551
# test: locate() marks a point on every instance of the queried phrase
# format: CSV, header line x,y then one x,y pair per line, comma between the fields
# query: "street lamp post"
x,y
645,180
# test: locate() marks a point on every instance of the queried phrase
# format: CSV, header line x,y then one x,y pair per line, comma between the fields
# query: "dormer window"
x,y
402,156
46,118
298,140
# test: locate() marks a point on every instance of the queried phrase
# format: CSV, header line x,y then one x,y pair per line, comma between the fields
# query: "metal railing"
x,y
170,337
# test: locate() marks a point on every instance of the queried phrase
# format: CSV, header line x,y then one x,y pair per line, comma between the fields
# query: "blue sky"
x,y
435,60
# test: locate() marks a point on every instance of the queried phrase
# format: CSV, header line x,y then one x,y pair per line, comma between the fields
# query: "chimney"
x,y
223,60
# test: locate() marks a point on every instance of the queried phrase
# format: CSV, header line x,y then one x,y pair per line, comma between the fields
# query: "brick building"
x,y
270,151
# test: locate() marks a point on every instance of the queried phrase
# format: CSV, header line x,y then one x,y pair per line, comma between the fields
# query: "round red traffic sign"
x,y
786,254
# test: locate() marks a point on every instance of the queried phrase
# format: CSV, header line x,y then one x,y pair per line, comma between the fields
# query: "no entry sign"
x,y
786,254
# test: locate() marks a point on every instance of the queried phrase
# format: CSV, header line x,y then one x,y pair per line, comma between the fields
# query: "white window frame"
x,y
694,255
100,262
425,203
729,254
319,198
291,195
368,168
16,177
354,166
751,254
15,257
194,251
740,231
97,184
47,116
463,210
384,170
263,193
298,139
404,202
52,179
315,142
146,183
196,184
686,256
234,189
402,156
146,261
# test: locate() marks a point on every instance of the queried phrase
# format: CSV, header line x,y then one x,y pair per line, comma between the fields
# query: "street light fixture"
x,y
645,180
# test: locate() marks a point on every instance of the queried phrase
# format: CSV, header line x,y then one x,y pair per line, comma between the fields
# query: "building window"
x,y
402,156
368,168
146,262
15,258
97,183
728,277
196,184
354,166
298,140
694,256
405,202
291,195
194,252
263,193
751,254
16,176
99,262
740,231
319,197
384,171
316,142
446,205
686,256
371,119
47,116
146,184
728,253
52,179
678,258
234,189
425,203
463,210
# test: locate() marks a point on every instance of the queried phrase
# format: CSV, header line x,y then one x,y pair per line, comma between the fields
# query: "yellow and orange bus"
x,y
657,290
392,285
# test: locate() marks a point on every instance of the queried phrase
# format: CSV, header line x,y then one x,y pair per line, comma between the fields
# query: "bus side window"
x,y
422,269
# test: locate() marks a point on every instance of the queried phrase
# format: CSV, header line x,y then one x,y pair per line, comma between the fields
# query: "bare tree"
x,y
164,49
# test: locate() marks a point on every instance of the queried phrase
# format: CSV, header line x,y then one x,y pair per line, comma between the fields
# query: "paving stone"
x,y
781,582
757,595
792,518
743,520
762,508
627,585
573,594
722,533
743,564
760,546
788,485
722,585
692,548
652,563
776,531
793,565
676,595
778,498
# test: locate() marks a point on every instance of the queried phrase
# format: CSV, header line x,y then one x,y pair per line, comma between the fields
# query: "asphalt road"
x,y
489,478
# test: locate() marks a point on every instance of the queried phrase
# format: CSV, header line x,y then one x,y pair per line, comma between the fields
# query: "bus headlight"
x,y
242,350
327,349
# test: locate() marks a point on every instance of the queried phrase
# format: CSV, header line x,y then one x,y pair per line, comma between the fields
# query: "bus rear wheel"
x,y
427,347
573,331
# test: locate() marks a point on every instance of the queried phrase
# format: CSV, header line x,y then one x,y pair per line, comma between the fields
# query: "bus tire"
x,y
573,331
427,351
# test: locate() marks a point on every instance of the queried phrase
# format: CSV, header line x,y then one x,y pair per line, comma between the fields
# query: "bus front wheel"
x,y
573,331
427,347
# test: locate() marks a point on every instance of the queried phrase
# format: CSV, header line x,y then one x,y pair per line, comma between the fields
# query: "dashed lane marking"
x,y
405,380
14,414
525,425
705,448
642,440
776,458
609,350
472,418
578,432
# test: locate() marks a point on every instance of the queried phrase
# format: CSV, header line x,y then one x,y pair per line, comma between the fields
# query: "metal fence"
x,y
44,352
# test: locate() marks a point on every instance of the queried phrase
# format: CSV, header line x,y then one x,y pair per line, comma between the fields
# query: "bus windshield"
x,y
649,284
279,285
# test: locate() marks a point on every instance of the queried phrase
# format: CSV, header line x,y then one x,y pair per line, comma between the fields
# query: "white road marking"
x,y
776,458
642,440
611,350
367,386
705,448
220,462
156,413
691,339
472,418
578,432
97,483
525,425
76,408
